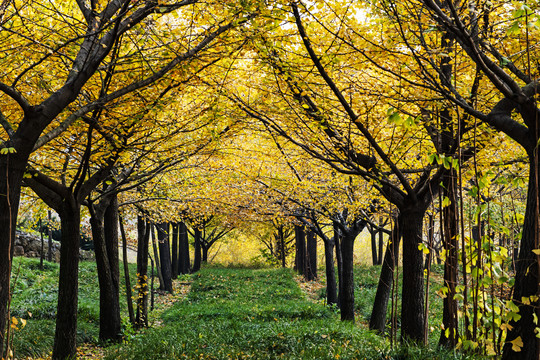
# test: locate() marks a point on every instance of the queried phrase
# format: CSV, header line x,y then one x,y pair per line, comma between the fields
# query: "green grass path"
x,y
250,314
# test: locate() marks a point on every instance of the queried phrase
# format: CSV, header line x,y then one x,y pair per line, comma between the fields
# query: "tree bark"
x,y
381,246
183,257
174,256
450,244
347,277
109,302
331,285
300,261
311,263
386,279
204,249
197,255
111,241
526,284
11,173
282,245
165,256
412,295
143,236
339,261
127,279
156,257
373,237
65,339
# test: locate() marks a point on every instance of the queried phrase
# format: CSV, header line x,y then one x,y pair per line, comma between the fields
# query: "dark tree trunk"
x,y
282,247
526,284
386,279
174,257
156,257
49,228
127,279
183,258
204,249
197,256
331,285
11,173
381,246
373,236
65,342
311,263
165,256
143,236
412,295
300,261
109,305
111,241
347,277
339,261
42,250
449,335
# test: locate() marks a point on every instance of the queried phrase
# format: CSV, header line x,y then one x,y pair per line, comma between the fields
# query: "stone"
x,y
18,250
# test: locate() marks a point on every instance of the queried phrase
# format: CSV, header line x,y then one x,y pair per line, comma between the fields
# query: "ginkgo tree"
x,y
362,122
491,49
64,66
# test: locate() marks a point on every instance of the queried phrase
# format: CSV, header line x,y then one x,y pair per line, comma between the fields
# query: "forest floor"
x,y
218,313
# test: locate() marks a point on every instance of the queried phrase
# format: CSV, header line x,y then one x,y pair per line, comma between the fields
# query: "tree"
x,y
43,103
165,255
479,43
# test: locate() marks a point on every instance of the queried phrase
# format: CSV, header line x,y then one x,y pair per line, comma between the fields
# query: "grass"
x,y
228,314
366,281
35,294
258,314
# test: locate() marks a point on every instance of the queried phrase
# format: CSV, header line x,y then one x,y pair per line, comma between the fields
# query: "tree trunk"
x,y
331,285
111,241
526,284
339,260
174,257
143,236
449,334
386,279
165,256
156,257
65,339
204,249
300,261
381,246
373,236
347,277
11,173
197,255
412,295
183,258
282,245
311,263
109,306
49,227
127,279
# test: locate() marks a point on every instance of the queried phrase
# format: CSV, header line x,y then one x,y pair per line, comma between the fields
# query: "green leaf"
x,y
7,150
446,202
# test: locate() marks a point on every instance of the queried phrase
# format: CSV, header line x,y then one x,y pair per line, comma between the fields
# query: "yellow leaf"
x,y
517,344
536,251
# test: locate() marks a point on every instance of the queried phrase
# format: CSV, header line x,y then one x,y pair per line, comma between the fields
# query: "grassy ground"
x,y
227,314
258,314
34,300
